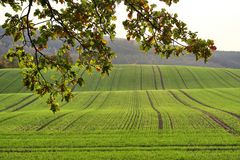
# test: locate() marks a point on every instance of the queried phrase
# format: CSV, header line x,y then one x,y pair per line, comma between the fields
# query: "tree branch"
x,y
151,23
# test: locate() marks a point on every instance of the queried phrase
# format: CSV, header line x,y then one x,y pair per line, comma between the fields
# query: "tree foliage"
x,y
81,25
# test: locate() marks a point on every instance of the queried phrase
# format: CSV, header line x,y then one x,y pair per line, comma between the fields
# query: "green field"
x,y
139,112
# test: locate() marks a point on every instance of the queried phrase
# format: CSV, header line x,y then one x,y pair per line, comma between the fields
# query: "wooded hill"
x,y
128,52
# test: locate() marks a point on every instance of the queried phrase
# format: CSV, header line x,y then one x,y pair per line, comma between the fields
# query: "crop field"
x,y
139,112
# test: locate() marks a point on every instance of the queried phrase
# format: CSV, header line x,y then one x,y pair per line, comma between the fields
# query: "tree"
x,y
81,25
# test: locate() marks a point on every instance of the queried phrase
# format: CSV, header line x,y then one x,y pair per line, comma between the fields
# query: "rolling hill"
x,y
141,77
139,112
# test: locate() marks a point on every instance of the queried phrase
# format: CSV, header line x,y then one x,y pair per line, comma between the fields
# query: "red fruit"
x,y
213,48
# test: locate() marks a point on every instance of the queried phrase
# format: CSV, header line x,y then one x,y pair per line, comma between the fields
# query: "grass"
x,y
141,77
139,112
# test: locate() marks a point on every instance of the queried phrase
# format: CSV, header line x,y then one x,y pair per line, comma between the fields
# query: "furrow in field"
x,y
156,100
206,105
191,120
117,148
224,82
113,79
8,118
3,73
11,83
232,75
79,117
204,117
99,79
23,89
225,79
154,78
225,96
107,117
132,119
139,111
24,105
121,120
140,121
51,121
181,77
170,120
129,116
108,120
92,100
160,121
211,116
238,76
105,99
170,146
87,101
161,77
141,77
195,77
136,121
74,121
96,120
233,96
136,106
13,105
118,87
6,97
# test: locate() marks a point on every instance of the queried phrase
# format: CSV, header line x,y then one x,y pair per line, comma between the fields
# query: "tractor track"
x,y
74,121
26,104
161,77
154,78
170,120
2,74
225,96
232,75
211,116
51,121
141,75
6,97
206,105
113,79
98,82
227,82
181,78
160,121
224,82
236,75
8,118
117,148
11,83
91,101
13,105
79,117
195,77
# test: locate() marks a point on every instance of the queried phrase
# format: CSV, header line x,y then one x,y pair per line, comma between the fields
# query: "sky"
x,y
212,19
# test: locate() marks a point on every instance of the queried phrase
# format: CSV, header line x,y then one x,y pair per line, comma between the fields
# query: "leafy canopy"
x,y
81,25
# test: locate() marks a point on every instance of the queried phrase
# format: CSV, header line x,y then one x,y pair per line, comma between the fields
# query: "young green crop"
x,y
114,118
